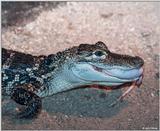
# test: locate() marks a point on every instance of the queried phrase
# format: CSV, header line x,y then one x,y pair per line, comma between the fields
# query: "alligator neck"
x,y
52,68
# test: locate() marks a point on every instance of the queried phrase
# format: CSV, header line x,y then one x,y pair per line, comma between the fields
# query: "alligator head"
x,y
95,64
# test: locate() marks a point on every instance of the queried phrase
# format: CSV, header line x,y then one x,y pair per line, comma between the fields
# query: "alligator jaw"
x,y
95,74
139,72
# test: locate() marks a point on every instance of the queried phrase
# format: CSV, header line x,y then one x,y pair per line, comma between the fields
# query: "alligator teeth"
x,y
97,69
101,70
139,81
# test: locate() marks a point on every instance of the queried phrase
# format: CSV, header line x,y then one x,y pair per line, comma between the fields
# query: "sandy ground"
x,y
130,28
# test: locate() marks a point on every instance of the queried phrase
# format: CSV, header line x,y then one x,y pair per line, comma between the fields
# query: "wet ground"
x,y
44,28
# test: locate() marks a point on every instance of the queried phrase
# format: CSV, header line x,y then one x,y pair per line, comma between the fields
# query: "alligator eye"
x,y
99,54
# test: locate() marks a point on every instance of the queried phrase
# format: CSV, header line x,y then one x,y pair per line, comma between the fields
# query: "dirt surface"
x,y
129,28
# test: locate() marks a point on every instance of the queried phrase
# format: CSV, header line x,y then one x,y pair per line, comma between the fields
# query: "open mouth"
x,y
107,75
132,75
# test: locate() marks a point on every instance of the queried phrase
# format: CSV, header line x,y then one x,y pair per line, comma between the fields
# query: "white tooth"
x,y
141,70
139,81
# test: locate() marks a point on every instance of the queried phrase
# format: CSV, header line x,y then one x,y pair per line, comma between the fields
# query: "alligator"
x,y
27,79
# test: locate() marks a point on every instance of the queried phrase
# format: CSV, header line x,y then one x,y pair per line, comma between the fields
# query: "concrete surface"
x,y
126,27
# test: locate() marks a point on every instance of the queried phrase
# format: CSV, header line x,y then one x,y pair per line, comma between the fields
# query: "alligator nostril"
x,y
138,61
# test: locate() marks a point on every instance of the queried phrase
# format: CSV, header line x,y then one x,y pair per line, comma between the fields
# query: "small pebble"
x,y
152,94
129,119
66,116
55,117
145,34
81,116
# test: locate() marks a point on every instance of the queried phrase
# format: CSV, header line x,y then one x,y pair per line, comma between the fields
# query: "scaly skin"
x,y
27,79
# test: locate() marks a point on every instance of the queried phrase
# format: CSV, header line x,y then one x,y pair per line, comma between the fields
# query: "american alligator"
x,y
27,79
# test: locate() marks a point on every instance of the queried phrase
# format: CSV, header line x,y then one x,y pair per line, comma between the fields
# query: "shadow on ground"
x,y
86,103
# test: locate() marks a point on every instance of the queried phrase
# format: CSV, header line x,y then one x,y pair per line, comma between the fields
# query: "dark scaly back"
x,y
14,59
19,68
14,68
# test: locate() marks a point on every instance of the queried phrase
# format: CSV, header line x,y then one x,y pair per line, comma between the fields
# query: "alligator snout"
x,y
138,61
125,60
